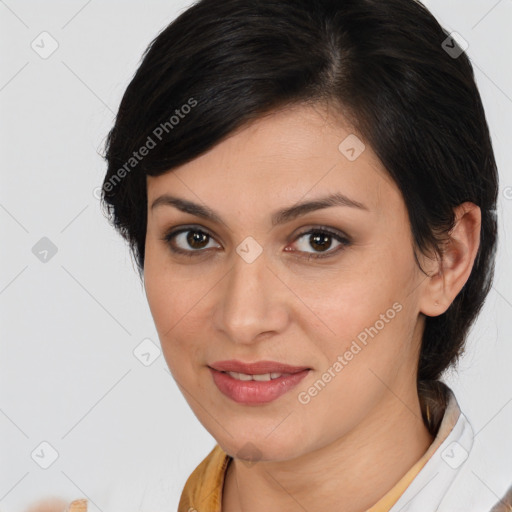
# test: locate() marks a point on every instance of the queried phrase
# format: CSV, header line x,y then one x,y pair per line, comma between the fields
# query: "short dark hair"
x,y
386,63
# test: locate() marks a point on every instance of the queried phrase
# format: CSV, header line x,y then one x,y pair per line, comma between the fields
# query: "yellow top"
x,y
77,506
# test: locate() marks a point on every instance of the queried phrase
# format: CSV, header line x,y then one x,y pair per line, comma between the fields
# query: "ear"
x,y
449,274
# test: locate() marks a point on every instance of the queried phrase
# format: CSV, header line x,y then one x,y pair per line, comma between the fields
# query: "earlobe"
x,y
458,256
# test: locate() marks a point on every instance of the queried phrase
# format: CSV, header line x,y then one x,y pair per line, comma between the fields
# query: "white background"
x,y
126,439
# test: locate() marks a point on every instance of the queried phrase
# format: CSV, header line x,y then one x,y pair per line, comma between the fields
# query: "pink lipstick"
x,y
255,383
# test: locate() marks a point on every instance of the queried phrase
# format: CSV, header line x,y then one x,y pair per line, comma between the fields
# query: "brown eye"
x,y
188,241
321,240
194,242
196,239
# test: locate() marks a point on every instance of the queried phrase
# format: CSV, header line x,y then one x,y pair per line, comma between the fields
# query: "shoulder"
x,y
58,505
482,485
466,472
77,506
505,504
483,482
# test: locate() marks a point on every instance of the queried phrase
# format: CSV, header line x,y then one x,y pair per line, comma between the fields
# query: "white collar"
x,y
447,482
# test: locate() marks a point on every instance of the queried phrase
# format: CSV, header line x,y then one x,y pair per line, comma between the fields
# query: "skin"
x,y
359,435
48,505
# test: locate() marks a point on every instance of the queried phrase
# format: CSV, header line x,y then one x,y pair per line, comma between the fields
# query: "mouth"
x,y
255,383
256,368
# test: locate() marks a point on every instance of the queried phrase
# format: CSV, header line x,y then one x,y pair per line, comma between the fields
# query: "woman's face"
x,y
335,290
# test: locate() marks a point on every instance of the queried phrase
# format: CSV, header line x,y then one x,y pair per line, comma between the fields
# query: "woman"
x,y
309,191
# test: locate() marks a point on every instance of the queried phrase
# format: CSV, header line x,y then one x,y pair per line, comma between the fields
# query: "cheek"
x,y
365,333
370,344
363,310
167,294
164,304
174,306
347,300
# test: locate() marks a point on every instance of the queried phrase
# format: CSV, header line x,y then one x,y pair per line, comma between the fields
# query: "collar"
x,y
446,456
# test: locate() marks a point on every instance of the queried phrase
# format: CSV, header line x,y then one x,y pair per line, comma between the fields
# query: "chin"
x,y
252,449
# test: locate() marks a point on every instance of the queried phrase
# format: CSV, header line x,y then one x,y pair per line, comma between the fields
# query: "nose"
x,y
253,302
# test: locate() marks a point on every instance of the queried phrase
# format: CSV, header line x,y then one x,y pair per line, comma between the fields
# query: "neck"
x,y
350,474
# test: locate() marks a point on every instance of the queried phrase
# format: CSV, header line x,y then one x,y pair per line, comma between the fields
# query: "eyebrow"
x,y
279,217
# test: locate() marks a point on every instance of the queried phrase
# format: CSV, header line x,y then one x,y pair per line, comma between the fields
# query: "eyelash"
x,y
344,241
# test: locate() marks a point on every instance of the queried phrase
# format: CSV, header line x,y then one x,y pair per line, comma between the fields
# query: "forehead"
x,y
282,157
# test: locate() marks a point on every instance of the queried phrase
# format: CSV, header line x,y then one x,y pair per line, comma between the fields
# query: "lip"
x,y
256,368
254,392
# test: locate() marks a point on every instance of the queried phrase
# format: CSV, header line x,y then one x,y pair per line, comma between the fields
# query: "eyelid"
x,y
192,227
343,240
340,236
171,233
318,227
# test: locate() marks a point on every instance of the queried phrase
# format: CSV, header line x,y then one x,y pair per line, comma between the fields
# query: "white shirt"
x,y
459,475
